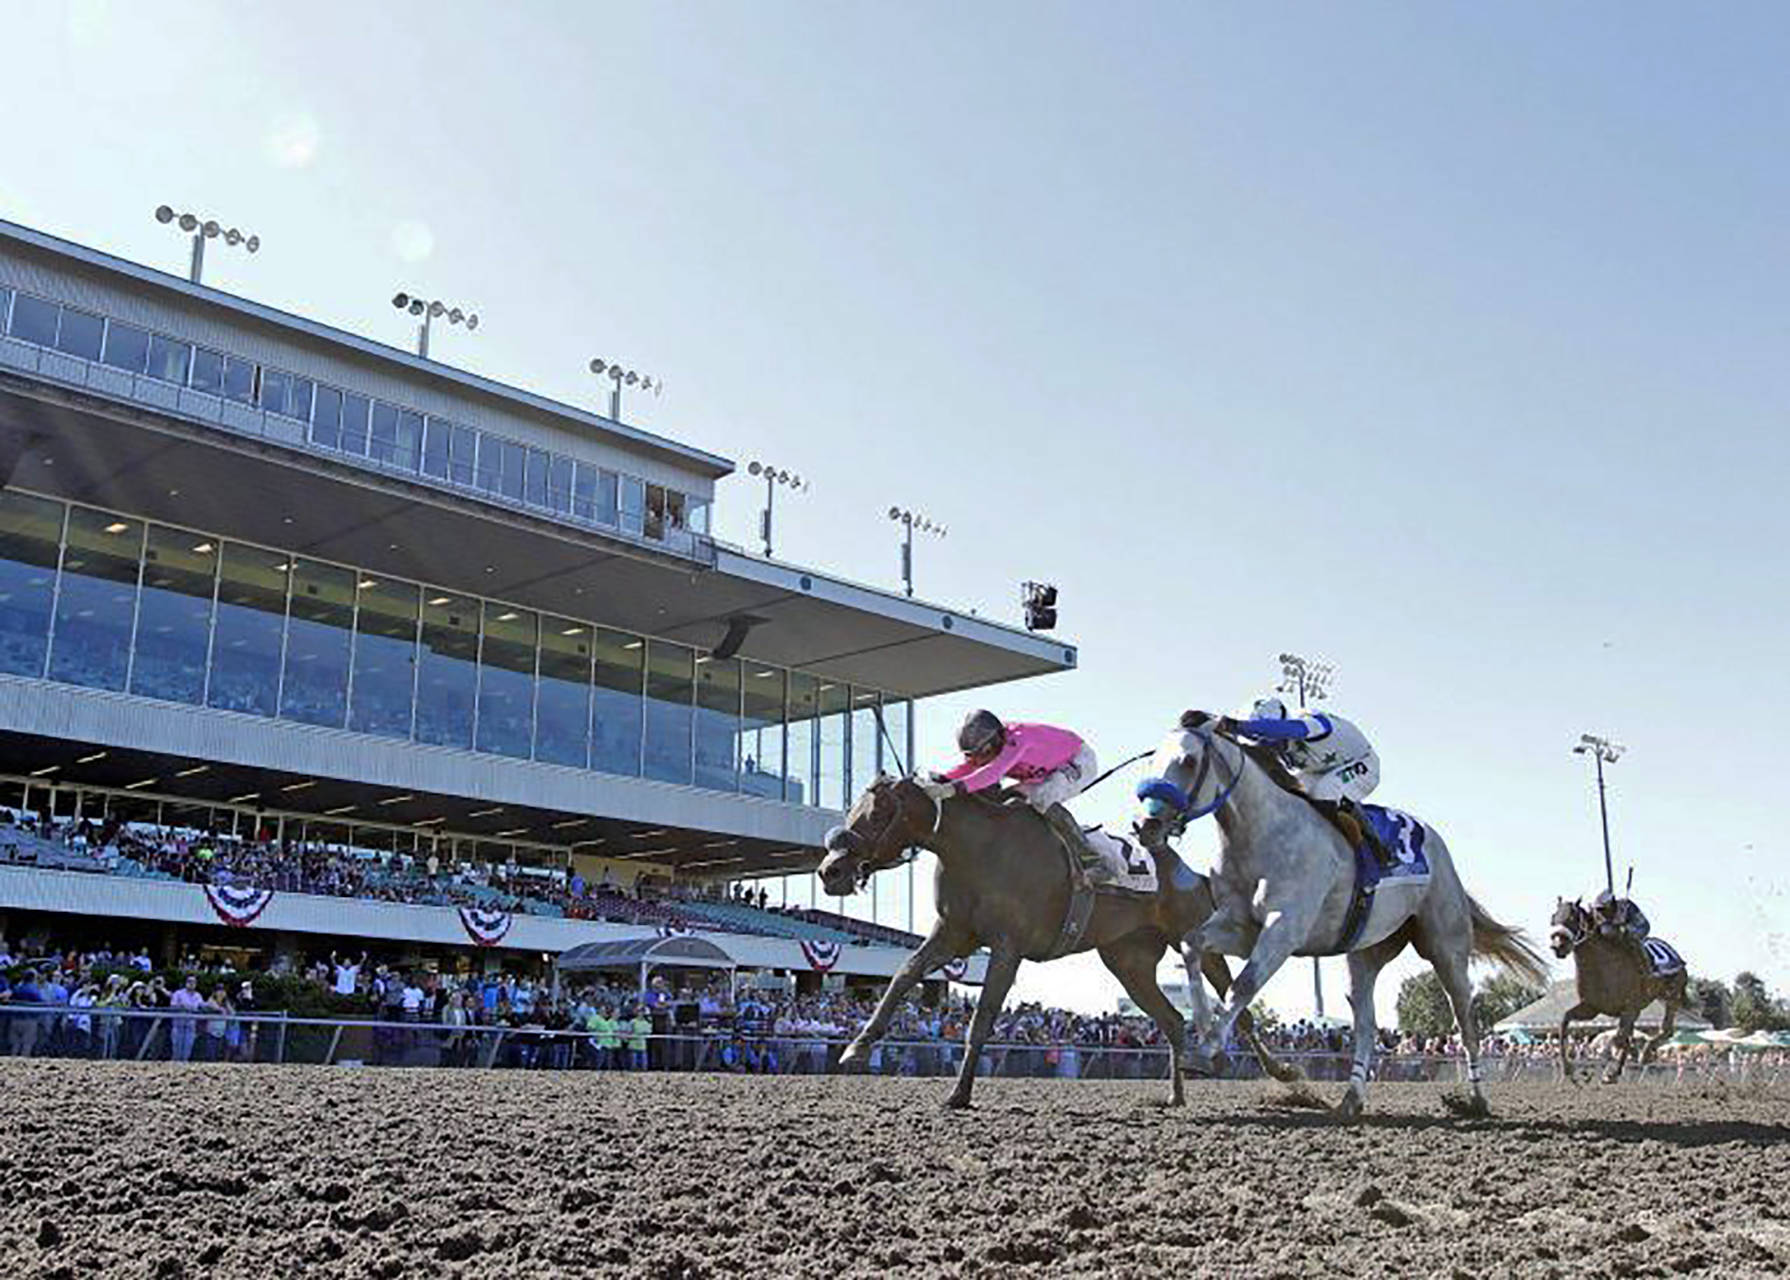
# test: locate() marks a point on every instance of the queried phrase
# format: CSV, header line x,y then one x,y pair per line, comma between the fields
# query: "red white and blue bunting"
x,y
237,905
953,970
821,954
487,928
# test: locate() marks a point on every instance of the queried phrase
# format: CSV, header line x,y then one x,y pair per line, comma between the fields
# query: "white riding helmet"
x,y
1268,709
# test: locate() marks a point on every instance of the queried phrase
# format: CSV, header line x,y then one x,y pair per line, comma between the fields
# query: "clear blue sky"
x,y
1445,341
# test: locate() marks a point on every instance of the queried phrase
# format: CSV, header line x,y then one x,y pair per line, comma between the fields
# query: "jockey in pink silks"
x,y
1048,766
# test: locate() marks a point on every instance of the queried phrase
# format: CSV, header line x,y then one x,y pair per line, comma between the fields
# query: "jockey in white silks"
x,y
1329,757
1048,766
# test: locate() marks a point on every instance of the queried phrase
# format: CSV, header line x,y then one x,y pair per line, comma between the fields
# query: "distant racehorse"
x,y
1003,882
1286,884
1616,978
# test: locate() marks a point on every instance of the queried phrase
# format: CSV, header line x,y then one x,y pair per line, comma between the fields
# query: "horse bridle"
x,y
1191,810
866,867
1580,929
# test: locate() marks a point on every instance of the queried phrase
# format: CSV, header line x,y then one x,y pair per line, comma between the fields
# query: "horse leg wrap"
x,y
1475,1076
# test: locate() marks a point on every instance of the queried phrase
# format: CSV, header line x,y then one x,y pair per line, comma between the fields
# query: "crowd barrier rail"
x,y
115,1034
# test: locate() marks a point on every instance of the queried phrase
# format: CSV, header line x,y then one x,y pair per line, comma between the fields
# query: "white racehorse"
x,y
1284,886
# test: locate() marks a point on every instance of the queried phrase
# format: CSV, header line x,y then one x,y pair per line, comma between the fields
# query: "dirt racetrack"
x,y
111,1169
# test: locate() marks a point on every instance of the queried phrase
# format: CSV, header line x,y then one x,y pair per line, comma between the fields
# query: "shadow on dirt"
x,y
1688,1135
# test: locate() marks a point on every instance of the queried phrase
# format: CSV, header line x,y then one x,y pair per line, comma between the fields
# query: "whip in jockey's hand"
x,y
1329,757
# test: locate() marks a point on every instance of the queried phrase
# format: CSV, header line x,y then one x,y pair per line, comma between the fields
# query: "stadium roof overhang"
x,y
93,448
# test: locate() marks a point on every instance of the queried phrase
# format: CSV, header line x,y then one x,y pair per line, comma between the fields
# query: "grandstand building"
x,y
266,579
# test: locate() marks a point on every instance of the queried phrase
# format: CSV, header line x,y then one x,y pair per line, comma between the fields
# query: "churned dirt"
x,y
157,1170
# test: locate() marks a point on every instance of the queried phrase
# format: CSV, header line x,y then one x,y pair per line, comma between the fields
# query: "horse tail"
x,y
1506,945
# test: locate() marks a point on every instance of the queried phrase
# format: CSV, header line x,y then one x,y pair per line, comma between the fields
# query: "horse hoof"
x,y
1349,1109
955,1103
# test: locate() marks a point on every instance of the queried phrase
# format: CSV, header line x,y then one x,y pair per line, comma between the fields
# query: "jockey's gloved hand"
x,y
938,788
1226,725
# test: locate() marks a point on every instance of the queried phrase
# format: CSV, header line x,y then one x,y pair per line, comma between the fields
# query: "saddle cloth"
x,y
1662,957
1380,903
1131,868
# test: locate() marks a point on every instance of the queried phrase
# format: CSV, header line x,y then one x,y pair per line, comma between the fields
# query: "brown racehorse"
x,y
1003,882
1613,979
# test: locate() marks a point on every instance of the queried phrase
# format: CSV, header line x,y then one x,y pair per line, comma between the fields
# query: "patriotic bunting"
x,y
237,905
487,928
822,955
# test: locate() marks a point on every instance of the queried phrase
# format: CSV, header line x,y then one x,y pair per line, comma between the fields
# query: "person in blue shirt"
x,y
1328,757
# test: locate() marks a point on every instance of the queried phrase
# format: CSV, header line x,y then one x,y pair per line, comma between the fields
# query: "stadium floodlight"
x,y
620,377
203,230
428,311
910,522
1602,751
774,477
1305,678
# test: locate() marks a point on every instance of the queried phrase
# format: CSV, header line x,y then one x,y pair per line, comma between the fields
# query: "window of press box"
x,y
127,347
80,334
34,320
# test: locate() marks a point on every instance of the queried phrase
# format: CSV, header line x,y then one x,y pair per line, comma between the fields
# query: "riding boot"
x,y
1356,829
1089,868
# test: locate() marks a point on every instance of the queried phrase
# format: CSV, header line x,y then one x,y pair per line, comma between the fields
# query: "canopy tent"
x,y
643,955
1545,1014
1734,1038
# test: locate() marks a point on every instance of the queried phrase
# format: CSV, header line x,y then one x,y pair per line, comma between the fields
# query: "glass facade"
x,y
174,615
761,731
319,631
386,435
96,599
30,544
507,656
250,632
562,700
670,679
718,723
448,669
383,683
100,599
617,724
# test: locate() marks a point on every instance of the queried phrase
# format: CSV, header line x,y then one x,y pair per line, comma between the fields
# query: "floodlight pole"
x,y
1603,813
422,336
1601,750
1294,670
770,502
907,557
198,268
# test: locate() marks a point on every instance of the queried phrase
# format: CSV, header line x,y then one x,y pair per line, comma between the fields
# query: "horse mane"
x,y
1270,764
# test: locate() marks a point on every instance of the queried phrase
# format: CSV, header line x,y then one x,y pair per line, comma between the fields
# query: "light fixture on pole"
x,y
1309,681
620,377
428,311
201,230
1602,751
774,476
912,522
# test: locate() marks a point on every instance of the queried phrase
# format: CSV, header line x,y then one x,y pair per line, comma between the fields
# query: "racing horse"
x,y
1003,882
1286,884
1617,978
